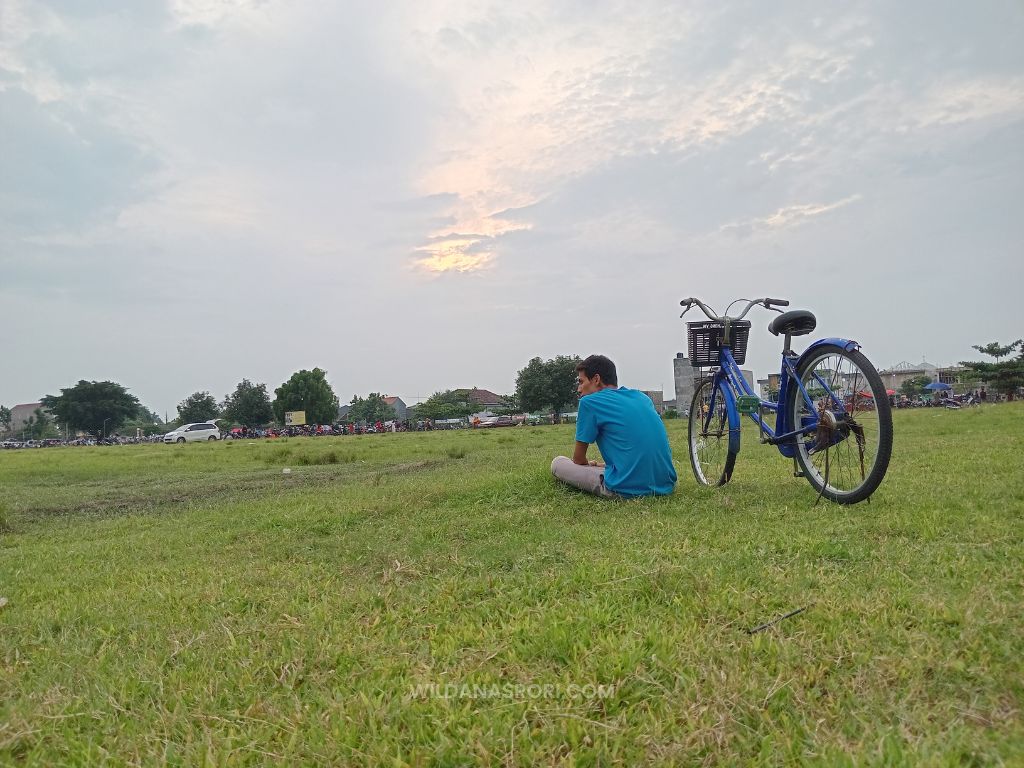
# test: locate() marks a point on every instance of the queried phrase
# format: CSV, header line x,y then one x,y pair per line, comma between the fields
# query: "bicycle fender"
x,y
734,417
847,345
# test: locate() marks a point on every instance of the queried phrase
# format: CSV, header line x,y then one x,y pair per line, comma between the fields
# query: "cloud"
x,y
969,100
540,105
783,218
209,13
322,169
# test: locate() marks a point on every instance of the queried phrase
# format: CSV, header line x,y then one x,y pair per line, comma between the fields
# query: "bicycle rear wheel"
x,y
708,435
847,455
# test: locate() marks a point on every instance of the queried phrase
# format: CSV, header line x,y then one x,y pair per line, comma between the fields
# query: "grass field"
x,y
436,599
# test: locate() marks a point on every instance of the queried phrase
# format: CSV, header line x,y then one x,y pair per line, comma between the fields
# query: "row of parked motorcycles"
x,y
53,442
954,403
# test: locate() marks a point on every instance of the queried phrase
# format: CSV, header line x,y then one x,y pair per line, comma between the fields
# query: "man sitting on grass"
x,y
628,432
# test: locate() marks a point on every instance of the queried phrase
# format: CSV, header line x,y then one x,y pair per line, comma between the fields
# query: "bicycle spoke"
x,y
709,436
841,451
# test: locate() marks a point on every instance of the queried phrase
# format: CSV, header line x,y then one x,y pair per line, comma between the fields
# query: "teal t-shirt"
x,y
632,440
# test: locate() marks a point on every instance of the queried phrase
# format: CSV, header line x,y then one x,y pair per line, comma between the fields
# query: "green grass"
x,y
195,605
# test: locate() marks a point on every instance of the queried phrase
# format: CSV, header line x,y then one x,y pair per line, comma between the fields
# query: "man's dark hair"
x,y
599,364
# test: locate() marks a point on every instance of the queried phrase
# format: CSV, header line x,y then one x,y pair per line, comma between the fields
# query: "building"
x,y
483,399
893,378
658,398
962,379
769,388
687,377
20,415
398,406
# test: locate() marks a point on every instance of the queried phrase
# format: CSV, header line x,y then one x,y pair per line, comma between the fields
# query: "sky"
x,y
425,195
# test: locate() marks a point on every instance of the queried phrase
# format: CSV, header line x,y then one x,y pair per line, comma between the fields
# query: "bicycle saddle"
x,y
796,322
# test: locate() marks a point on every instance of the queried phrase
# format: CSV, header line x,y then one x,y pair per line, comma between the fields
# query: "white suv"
x,y
191,433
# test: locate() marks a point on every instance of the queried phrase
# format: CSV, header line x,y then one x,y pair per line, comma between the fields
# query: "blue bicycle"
x,y
832,413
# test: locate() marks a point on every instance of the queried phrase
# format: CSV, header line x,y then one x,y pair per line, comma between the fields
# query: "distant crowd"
x,y
344,428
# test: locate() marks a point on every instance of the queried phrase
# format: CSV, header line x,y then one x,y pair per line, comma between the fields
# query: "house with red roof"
x,y
484,399
398,406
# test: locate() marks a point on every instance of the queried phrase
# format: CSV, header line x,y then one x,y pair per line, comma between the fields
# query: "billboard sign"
x,y
294,418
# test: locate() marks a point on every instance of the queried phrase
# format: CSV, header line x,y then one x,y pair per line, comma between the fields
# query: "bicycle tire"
x,y
711,458
846,459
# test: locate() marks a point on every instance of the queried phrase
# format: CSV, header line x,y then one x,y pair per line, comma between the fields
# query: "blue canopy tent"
x,y
938,385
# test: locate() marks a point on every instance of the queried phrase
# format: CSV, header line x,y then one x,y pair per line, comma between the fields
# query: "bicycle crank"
x,y
832,430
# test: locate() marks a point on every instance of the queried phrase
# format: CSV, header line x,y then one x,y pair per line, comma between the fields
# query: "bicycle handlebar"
x,y
766,303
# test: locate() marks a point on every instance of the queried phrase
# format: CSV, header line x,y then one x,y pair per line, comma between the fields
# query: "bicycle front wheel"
x,y
710,454
846,456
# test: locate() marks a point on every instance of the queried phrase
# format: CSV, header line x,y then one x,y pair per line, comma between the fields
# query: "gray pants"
x,y
589,479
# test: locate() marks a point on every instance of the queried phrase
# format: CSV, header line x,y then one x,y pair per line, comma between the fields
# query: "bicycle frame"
x,y
784,434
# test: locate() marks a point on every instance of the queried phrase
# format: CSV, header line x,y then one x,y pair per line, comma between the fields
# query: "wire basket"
x,y
704,341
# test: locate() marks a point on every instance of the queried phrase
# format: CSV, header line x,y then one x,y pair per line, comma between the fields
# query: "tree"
x,y
512,407
1004,376
39,425
249,405
307,391
370,409
92,406
148,416
531,386
146,421
549,384
5,418
450,404
996,350
915,385
199,406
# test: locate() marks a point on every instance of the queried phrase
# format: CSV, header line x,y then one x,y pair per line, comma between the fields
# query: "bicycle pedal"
x,y
748,404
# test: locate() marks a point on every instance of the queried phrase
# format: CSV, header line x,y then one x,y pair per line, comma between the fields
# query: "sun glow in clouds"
x,y
467,246
453,256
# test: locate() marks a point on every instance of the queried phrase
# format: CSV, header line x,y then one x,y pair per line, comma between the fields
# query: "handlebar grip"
x,y
686,302
778,302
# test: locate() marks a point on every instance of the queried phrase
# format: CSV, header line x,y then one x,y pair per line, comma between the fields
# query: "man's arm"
x,y
579,454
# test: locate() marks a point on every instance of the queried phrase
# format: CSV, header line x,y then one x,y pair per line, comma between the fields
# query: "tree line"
x,y
1002,376
104,407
